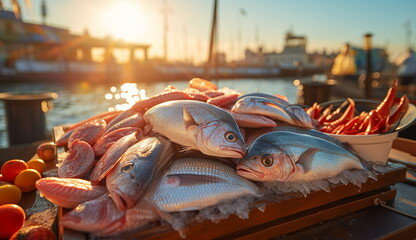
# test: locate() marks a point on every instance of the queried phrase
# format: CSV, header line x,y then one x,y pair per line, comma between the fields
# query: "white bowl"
x,y
375,147
372,148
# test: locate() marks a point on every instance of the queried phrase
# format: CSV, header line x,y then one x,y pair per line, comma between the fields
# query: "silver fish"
x,y
196,183
311,132
198,125
265,95
289,156
129,179
265,106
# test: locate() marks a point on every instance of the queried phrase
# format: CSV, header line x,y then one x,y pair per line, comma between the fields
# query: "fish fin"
x,y
147,129
168,217
305,157
165,215
291,111
296,112
190,123
191,179
186,149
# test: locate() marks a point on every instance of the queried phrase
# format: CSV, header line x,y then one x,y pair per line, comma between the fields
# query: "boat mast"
x,y
44,12
165,11
212,44
408,28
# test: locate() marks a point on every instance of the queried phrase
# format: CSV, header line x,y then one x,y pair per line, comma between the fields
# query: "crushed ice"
x,y
272,191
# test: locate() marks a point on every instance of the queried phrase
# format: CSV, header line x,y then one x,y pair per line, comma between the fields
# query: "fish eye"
x,y
231,137
267,160
127,168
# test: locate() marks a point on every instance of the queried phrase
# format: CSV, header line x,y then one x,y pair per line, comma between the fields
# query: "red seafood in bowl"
x,y
369,126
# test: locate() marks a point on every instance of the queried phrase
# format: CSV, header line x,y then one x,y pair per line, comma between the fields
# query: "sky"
x,y
327,24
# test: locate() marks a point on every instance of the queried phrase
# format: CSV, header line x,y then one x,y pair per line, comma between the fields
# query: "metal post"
x,y
369,70
25,116
212,41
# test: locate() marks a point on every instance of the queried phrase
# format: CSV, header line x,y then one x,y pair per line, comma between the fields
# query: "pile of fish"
x,y
187,151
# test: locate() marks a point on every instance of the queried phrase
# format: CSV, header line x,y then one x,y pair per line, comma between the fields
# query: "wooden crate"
x,y
278,218
292,214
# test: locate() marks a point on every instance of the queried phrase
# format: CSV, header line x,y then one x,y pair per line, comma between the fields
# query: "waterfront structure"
x,y
293,56
29,48
294,52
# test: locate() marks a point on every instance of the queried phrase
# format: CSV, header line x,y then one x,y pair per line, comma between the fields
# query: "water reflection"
x,y
76,102
129,92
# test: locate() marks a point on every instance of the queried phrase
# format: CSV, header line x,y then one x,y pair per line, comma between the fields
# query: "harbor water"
x,y
79,101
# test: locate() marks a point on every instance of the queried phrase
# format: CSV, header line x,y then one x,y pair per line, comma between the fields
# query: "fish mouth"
x,y
249,173
122,201
233,152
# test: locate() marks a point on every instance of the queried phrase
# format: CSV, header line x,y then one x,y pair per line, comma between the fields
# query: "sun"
x,y
125,20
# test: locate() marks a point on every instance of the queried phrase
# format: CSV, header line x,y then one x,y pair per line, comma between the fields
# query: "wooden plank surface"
x,y
309,218
38,210
278,210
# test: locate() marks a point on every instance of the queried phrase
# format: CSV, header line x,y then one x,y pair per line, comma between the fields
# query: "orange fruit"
x,y
12,218
37,164
9,194
46,151
26,180
12,168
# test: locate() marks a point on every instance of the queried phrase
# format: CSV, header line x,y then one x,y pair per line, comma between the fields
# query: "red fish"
x,y
79,161
107,140
88,132
68,192
93,216
108,160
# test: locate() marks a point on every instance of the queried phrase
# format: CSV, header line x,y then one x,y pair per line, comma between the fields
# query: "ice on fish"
x,y
355,176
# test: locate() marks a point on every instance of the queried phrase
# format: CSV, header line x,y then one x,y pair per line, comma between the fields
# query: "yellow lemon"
x,y
9,194
26,180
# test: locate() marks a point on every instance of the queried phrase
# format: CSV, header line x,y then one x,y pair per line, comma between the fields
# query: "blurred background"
x,y
100,55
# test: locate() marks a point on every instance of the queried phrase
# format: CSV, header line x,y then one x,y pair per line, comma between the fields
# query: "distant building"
x,y
28,47
221,58
294,51
323,59
254,58
293,55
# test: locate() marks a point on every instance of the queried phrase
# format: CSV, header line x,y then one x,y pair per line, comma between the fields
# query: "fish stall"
x,y
210,163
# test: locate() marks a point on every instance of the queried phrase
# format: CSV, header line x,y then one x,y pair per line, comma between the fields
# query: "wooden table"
x,y
347,212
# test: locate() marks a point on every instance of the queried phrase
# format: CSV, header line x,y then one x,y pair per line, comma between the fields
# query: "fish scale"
x,y
209,181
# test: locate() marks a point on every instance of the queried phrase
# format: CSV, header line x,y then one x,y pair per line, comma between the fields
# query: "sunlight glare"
x,y
129,92
109,96
125,20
